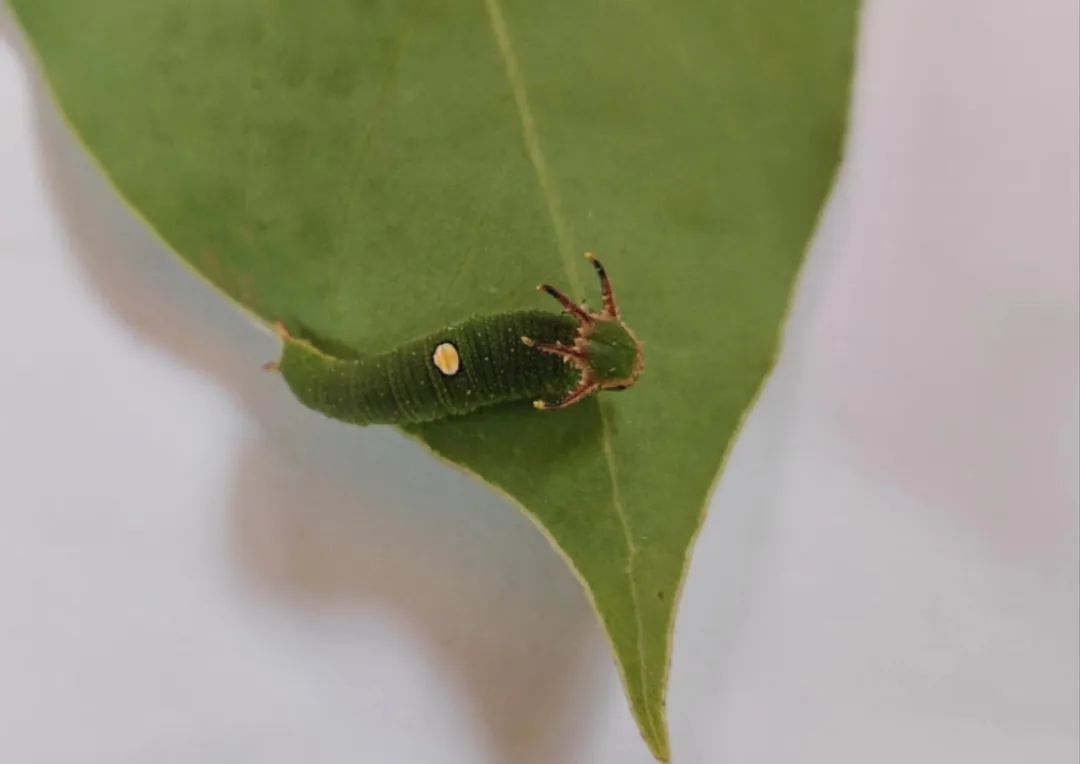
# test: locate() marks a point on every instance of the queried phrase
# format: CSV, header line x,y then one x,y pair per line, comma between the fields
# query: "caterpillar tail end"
x,y
528,341
539,405
282,333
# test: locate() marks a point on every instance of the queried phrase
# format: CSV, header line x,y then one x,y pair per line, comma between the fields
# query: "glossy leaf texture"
x,y
377,169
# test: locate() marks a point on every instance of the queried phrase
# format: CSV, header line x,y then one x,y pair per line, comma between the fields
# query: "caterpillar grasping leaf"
x,y
556,360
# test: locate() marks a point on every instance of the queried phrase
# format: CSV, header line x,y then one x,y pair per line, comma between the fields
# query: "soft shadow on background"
x,y
323,513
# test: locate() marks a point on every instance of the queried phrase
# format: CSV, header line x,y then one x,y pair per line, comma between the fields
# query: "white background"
x,y
194,569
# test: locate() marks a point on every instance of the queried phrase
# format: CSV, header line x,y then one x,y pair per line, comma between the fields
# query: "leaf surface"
x,y
375,170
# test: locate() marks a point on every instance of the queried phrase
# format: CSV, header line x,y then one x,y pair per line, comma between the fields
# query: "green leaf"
x,y
377,169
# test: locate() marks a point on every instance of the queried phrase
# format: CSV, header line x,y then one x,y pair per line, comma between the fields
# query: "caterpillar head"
x,y
605,351
614,356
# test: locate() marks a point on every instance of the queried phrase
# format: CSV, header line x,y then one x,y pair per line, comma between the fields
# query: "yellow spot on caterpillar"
x,y
446,359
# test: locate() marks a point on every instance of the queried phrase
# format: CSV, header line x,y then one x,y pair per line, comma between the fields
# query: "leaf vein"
x,y
531,137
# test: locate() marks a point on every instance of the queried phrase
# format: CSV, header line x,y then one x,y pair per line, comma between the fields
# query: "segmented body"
x,y
476,363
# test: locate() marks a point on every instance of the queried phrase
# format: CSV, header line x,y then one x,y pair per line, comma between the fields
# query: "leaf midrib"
x,y
563,238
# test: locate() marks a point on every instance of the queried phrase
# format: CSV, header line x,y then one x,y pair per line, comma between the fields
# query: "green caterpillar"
x,y
556,360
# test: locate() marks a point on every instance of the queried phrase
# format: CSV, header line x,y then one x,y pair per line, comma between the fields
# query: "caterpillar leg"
x,y
580,393
554,348
611,308
569,305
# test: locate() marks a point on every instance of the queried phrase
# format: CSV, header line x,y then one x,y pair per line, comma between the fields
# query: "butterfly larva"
x,y
555,359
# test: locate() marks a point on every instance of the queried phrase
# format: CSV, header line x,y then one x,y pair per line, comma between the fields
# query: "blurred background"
x,y
193,568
